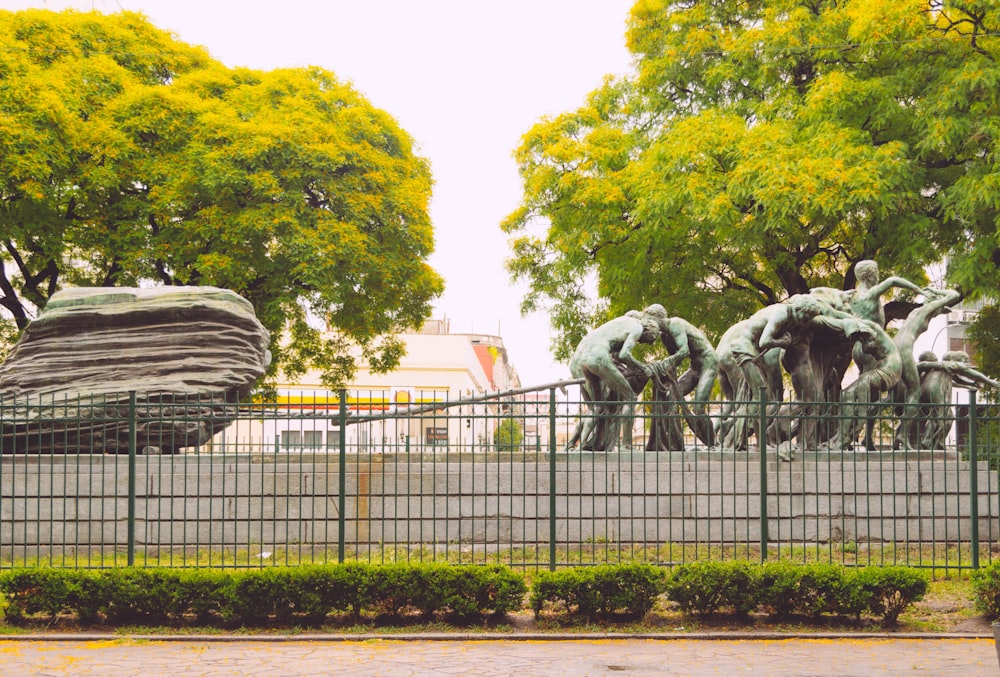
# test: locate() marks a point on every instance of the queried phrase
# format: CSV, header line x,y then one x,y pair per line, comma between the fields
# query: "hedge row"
x,y
784,588
310,593
599,590
287,594
777,588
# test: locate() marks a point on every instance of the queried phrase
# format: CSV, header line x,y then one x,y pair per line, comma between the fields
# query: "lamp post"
x,y
947,325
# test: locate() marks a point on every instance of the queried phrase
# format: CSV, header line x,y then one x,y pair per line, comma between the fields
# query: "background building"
x,y
438,367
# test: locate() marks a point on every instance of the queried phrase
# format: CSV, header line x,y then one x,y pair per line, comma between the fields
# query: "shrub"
x,y
887,591
825,588
500,590
201,592
32,591
507,436
459,590
778,587
565,587
606,589
396,587
709,587
986,590
254,595
346,587
140,594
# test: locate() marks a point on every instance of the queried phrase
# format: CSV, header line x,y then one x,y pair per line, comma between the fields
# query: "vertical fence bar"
x,y
552,478
973,481
131,477
342,477
762,447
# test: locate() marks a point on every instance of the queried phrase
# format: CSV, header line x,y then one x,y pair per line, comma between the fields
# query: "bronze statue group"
x,y
813,338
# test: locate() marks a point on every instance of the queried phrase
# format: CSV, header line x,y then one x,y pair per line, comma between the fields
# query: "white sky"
x,y
465,78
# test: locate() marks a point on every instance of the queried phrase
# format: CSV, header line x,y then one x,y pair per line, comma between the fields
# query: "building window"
x,y
304,439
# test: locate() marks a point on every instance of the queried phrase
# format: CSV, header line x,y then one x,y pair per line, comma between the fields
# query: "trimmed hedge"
x,y
710,587
308,594
286,594
785,588
600,590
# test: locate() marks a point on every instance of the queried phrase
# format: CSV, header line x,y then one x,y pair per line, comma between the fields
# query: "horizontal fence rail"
x,y
367,475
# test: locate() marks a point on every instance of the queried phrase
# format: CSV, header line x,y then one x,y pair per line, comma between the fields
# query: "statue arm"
x,y
894,281
974,376
625,354
683,348
770,336
842,323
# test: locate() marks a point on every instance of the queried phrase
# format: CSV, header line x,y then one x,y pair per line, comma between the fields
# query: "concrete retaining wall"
x,y
235,501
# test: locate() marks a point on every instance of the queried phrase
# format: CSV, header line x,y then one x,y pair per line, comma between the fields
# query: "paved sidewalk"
x,y
494,657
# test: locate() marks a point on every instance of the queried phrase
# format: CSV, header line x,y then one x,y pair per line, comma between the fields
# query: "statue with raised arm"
x,y
606,389
865,302
906,394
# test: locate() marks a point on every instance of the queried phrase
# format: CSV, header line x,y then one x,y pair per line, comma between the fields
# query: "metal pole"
x,y
131,477
552,479
973,481
762,448
342,477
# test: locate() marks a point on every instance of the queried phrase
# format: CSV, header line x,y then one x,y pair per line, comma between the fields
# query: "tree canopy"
x,y
128,157
759,149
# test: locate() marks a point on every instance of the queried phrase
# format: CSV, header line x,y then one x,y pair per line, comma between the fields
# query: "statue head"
x,y
927,356
866,271
656,311
956,356
657,314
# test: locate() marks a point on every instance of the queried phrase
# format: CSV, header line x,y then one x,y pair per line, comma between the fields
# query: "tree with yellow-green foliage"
x,y
128,157
763,148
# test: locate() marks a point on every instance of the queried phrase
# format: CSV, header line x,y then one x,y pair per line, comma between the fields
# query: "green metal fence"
x,y
380,476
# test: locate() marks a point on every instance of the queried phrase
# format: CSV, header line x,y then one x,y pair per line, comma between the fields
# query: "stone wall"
x,y
216,501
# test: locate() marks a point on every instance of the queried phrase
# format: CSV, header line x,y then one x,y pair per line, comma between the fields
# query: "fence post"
x,y
973,481
132,441
762,447
552,479
342,476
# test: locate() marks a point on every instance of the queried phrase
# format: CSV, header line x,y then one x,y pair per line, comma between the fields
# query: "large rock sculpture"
x,y
188,353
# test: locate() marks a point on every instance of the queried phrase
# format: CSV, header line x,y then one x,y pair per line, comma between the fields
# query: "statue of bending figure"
x,y
748,360
604,387
684,340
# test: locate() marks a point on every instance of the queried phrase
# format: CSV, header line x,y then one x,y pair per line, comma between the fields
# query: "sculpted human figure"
x,y
935,396
805,344
907,391
683,340
748,355
864,301
936,381
594,360
885,367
